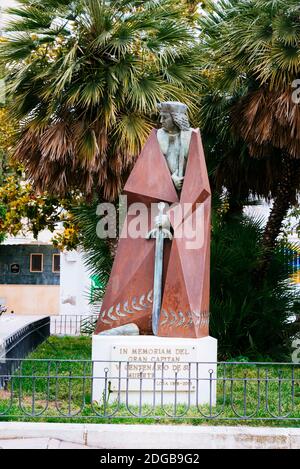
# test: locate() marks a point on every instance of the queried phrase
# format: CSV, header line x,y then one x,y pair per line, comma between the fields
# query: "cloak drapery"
x,y
186,272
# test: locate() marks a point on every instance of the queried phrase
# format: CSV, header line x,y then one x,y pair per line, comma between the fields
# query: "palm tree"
x,y
253,50
84,78
229,163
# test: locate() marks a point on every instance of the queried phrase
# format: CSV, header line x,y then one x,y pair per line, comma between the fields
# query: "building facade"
x,y
30,278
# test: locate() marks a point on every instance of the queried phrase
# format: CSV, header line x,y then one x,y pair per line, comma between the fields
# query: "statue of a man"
x,y
174,138
170,170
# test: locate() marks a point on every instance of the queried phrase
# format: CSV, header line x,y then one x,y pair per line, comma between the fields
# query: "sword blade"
x,y
157,288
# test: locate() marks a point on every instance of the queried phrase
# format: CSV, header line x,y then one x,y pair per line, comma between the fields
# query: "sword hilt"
x,y
157,231
161,222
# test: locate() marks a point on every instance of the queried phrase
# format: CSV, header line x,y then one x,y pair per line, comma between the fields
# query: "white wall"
x,y
74,284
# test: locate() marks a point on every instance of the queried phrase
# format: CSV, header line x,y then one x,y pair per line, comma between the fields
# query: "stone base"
x,y
152,370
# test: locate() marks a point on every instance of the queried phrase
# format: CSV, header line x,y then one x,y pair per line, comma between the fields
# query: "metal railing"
x,y
73,325
193,391
21,343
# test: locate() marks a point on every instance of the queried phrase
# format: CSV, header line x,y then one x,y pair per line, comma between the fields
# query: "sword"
x,y
160,233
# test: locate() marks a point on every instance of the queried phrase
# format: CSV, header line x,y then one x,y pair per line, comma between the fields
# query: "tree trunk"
x,y
282,202
112,244
236,205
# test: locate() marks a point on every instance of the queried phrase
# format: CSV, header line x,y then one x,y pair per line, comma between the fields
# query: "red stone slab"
x,y
150,176
185,304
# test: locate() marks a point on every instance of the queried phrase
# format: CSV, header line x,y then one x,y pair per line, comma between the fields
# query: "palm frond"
x,y
94,65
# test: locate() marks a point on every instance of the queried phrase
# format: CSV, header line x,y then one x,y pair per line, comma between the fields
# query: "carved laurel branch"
x,y
116,312
187,319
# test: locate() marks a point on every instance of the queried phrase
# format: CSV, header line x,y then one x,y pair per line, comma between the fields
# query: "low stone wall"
x,y
19,337
151,436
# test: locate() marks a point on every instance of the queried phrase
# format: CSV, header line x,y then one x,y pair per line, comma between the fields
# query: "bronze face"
x,y
167,122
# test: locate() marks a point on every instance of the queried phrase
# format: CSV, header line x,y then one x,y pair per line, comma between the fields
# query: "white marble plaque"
x,y
141,353
170,366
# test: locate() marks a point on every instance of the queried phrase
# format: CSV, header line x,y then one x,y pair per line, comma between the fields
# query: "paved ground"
x,y
39,443
119,436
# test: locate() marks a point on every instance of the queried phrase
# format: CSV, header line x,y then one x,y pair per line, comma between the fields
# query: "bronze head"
x,y
173,116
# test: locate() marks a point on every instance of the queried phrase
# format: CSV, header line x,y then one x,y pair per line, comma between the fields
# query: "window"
x,y
56,263
36,262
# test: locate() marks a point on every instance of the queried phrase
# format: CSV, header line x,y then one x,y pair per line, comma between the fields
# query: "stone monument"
x,y
160,279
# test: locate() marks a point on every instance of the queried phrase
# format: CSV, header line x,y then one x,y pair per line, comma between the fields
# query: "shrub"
x,y
247,318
